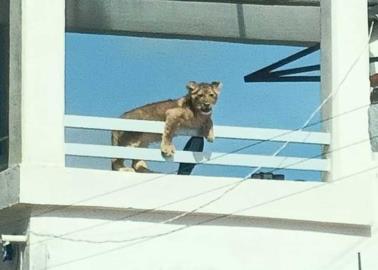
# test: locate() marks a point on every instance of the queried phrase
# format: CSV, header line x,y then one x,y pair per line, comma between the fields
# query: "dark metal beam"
x,y
295,70
289,79
267,74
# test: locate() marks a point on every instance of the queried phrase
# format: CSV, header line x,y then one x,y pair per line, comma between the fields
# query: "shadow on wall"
x,y
4,83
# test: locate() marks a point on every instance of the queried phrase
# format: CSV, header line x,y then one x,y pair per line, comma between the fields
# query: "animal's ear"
x,y
191,86
217,86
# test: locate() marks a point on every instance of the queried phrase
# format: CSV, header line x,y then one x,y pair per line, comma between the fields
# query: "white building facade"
x,y
71,218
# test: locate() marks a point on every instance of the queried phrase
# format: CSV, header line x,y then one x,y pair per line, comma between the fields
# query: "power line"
x,y
147,238
141,239
330,95
173,172
325,153
307,123
231,188
277,152
58,208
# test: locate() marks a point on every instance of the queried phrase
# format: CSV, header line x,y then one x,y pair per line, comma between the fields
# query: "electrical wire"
x,y
142,239
329,97
234,186
173,172
145,238
231,187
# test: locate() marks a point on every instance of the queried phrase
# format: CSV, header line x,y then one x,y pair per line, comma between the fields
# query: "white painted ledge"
x,y
210,158
300,201
225,132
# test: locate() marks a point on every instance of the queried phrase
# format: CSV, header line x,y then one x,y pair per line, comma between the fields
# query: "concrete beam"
x,y
230,22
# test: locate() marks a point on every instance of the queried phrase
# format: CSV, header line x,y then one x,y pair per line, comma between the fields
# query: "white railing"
x,y
212,158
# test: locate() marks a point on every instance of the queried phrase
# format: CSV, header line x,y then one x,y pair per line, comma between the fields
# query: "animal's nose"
x,y
207,105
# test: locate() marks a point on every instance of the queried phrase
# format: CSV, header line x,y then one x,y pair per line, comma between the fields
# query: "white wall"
x,y
345,76
211,246
37,31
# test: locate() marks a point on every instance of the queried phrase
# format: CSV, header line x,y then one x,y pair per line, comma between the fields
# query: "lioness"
x,y
191,111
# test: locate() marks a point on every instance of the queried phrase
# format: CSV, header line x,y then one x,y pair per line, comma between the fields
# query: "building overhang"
x,y
281,22
240,21
309,204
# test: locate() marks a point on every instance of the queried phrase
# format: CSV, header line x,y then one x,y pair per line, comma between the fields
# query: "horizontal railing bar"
x,y
227,132
105,151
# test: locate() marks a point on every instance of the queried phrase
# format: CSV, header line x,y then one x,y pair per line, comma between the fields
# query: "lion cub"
x,y
191,111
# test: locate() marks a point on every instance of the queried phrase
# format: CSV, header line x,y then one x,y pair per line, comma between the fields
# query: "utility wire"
x,y
173,172
230,188
330,95
142,239
307,123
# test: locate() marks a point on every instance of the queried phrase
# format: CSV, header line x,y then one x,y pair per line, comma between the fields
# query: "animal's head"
x,y
203,96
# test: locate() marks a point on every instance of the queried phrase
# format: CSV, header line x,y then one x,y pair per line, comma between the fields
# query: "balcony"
x,y
37,174
208,158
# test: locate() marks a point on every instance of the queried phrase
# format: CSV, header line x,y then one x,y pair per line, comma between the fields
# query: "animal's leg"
x,y
172,123
140,166
120,138
145,140
118,165
208,130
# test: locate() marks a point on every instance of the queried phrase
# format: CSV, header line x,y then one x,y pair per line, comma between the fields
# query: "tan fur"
x,y
191,111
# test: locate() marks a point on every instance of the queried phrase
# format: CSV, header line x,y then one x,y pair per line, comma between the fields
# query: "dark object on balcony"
x,y
374,96
7,251
195,144
268,176
271,74
373,80
373,115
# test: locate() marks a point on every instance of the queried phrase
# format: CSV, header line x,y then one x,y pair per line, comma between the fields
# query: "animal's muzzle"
x,y
206,108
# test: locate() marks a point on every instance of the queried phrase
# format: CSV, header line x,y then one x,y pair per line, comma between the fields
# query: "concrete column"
x,y
373,109
4,82
374,49
345,73
37,82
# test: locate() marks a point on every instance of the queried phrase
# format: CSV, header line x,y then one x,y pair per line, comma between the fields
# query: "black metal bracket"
x,y
268,74
195,144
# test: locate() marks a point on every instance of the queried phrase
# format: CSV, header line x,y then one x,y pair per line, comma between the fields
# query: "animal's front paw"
x,y
210,137
125,169
167,149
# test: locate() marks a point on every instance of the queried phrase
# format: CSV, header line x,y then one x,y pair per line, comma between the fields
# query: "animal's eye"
x,y
211,95
200,95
